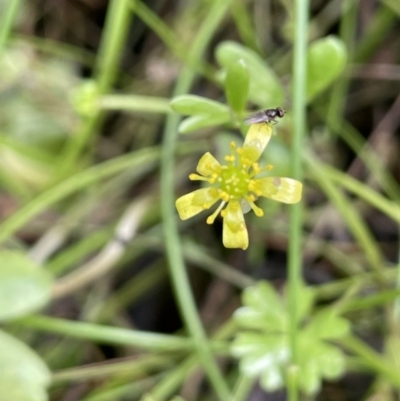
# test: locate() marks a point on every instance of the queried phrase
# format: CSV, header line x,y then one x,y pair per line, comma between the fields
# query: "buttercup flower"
x,y
235,185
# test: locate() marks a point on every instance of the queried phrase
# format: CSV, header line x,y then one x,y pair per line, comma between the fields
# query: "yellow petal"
x,y
208,165
195,202
234,231
256,141
286,190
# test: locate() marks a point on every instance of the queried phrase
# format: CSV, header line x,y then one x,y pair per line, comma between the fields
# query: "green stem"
x,y
134,103
144,158
347,33
336,288
135,366
372,359
112,42
295,237
7,21
111,47
179,374
108,334
244,384
171,40
179,277
375,33
351,215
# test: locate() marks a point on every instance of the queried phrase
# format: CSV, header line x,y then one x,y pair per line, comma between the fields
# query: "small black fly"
x,y
265,116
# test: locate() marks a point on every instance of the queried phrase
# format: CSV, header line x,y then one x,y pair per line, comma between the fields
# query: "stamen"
x,y
197,177
257,211
223,195
253,187
230,158
256,168
211,219
213,178
251,198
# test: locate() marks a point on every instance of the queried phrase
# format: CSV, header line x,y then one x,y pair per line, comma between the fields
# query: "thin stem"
x,y
372,359
244,385
396,308
347,33
6,22
295,237
111,47
143,158
134,103
113,39
177,267
107,334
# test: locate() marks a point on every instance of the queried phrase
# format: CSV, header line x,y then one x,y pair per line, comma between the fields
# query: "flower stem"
x,y
6,22
299,105
113,39
179,277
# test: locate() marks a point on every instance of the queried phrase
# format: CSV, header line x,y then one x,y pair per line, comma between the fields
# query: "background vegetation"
x,y
104,293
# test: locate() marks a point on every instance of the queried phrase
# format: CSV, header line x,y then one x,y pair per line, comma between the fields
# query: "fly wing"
x,y
256,118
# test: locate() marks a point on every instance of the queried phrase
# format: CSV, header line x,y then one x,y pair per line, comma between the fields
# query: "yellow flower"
x,y
235,185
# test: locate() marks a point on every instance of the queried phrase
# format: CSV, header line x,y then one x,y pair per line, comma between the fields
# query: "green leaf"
x,y
24,286
263,309
318,360
237,86
24,376
263,356
263,347
272,379
191,105
262,296
309,377
265,89
326,324
331,361
326,60
248,342
305,301
251,318
196,122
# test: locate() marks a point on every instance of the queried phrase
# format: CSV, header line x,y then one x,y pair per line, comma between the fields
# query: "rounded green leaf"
x,y
249,342
265,89
262,355
193,105
326,59
326,324
262,309
309,377
262,296
259,352
305,301
24,376
272,379
251,318
24,286
196,122
332,362
237,86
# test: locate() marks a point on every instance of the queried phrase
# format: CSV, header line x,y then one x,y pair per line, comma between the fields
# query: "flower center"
x,y
234,180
